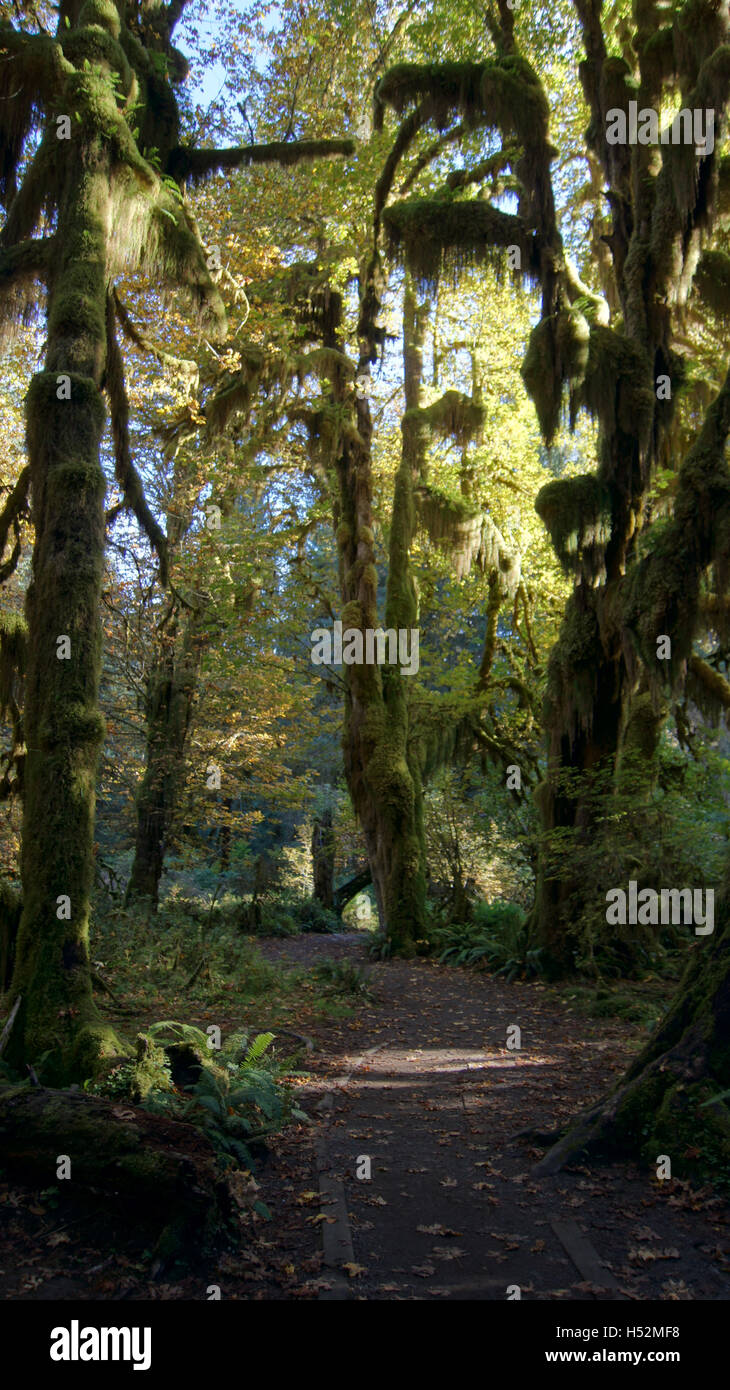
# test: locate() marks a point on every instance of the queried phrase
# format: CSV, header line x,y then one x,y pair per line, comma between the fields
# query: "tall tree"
x,y
92,159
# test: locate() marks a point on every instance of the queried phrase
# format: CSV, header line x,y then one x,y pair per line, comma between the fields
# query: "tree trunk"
x,y
383,775
323,859
64,727
11,907
171,690
666,1103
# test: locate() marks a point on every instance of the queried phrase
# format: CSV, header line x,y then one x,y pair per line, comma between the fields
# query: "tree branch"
x,y
187,165
184,365
15,507
125,471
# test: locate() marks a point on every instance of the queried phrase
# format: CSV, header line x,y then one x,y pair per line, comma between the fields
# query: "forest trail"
x,y
423,1084
420,1081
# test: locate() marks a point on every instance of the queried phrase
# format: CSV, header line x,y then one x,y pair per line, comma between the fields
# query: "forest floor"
x,y
419,1081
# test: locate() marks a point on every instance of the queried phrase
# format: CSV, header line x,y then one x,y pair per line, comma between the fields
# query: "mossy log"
x,y
167,1170
669,1101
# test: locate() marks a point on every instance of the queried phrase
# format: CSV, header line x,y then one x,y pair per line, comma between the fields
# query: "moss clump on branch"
x,y
502,92
451,524
618,389
577,514
540,373
712,280
430,234
453,416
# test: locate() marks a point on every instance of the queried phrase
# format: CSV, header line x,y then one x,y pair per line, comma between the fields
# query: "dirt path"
x,y
433,1098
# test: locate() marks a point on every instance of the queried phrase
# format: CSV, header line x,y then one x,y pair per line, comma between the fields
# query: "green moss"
x,y
712,280
103,13
452,524
453,415
618,389
428,234
503,92
577,513
573,338
541,375
574,669
151,1070
13,645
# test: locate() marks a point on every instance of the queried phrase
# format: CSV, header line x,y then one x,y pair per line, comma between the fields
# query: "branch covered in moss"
x,y
184,365
662,592
430,233
15,508
188,165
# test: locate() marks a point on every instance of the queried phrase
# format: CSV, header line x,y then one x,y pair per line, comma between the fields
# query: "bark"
x,y
63,724
323,859
383,778
667,1101
171,692
11,907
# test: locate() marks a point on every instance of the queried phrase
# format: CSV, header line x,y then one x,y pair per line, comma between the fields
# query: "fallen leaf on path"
x,y
437,1230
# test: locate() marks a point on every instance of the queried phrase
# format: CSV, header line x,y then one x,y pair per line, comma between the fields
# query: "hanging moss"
x,y
540,373
574,669
618,389
445,87
429,234
503,92
577,513
452,416
573,339
712,280
453,525
708,689
13,645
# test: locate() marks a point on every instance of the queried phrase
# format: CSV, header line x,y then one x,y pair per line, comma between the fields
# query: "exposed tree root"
x,y
668,1103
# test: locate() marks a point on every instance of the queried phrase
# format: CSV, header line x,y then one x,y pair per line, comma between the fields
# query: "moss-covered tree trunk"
x,y
383,782
666,1102
79,113
629,380
64,727
323,859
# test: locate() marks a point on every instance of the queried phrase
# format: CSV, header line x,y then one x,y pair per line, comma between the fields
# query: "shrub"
x,y
496,938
